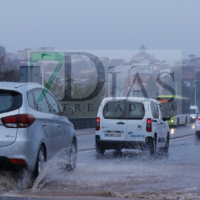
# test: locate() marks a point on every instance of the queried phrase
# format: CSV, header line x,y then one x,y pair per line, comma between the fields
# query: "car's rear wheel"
x,y
72,156
99,150
41,159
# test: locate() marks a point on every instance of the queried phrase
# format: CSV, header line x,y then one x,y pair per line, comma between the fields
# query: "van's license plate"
x,y
112,134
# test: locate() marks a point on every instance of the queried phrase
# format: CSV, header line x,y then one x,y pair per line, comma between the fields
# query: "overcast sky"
x,y
101,24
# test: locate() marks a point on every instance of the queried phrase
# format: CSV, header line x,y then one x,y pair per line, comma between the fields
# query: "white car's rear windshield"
x,y
9,100
123,110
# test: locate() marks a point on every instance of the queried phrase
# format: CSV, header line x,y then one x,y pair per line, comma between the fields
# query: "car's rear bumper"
x,y
112,144
18,150
5,163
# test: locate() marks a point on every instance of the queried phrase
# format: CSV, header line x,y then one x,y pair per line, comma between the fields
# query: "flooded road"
x,y
129,174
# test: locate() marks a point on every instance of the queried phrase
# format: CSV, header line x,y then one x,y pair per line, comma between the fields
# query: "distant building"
x,y
11,56
2,50
147,66
23,54
50,49
190,67
143,57
115,62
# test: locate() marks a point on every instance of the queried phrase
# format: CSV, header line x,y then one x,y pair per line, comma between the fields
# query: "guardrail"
x,y
81,123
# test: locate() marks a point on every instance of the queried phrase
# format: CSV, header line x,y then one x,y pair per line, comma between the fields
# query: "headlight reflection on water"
x,y
193,126
172,131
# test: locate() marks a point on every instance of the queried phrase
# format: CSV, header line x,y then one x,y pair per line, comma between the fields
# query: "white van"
x,y
131,123
194,112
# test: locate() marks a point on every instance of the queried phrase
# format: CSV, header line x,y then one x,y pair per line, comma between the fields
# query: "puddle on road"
x,y
133,175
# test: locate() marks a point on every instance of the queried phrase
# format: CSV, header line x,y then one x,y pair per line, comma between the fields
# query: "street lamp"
x,y
110,67
114,77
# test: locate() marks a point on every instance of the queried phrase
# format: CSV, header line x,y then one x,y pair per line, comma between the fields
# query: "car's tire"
x,y
41,159
166,147
99,151
72,156
153,146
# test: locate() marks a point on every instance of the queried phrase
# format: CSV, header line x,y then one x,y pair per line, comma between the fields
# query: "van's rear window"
x,y
9,100
123,110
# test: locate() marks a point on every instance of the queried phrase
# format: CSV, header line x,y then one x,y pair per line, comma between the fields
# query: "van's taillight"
x,y
97,123
18,121
148,126
198,119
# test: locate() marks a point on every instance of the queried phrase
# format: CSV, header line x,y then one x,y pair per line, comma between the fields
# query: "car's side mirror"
x,y
68,111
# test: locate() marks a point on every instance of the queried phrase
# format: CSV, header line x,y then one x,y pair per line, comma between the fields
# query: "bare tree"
x,y
8,72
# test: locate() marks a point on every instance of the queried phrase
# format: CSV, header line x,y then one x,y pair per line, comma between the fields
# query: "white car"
x,y
131,123
197,127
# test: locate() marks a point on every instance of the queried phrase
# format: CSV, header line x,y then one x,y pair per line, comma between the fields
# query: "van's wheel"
x,y
41,159
99,150
118,150
153,146
166,148
73,156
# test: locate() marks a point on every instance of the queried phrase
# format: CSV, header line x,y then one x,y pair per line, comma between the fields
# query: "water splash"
x,y
59,161
7,181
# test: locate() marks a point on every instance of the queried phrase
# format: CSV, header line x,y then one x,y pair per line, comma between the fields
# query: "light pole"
x,y
195,91
42,73
114,82
110,67
44,54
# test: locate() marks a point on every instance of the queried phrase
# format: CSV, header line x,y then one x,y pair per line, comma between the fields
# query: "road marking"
x,y
182,137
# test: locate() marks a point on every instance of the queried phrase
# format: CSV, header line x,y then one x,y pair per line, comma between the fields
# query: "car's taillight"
x,y
18,161
18,121
97,123
198,119
148,125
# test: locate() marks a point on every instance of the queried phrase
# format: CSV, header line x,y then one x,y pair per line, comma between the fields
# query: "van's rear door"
x,y
136,124
114,121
